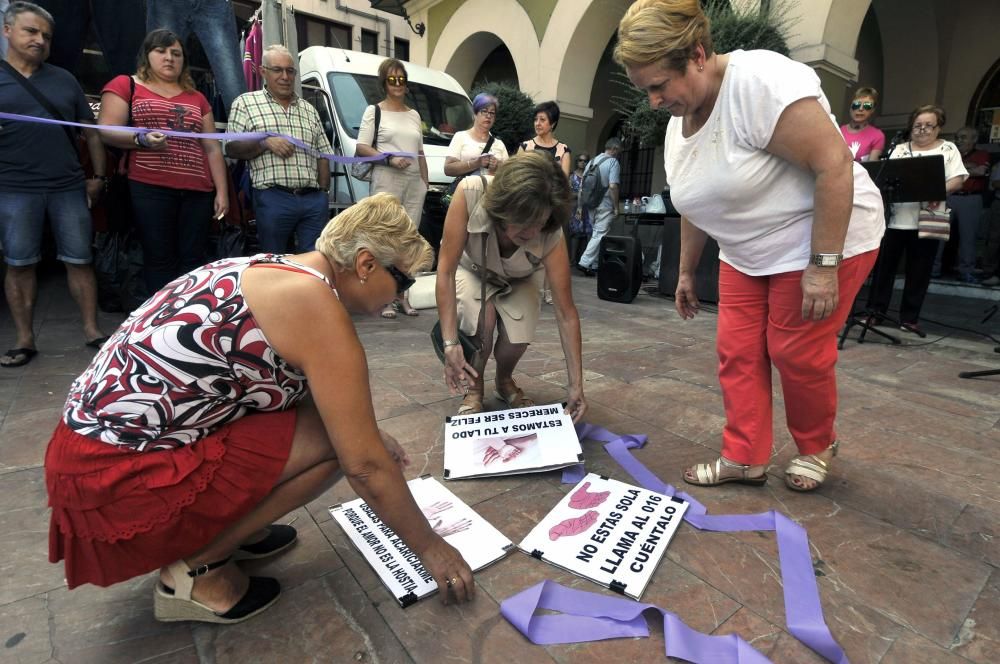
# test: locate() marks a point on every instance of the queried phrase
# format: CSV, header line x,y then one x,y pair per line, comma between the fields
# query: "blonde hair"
x,y
867,92
526,186
379,224
662,30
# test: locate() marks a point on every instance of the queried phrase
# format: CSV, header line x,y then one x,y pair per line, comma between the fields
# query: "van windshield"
x,y
442,113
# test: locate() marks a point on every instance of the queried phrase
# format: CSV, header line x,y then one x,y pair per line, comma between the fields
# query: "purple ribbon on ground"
x,y
592,617
218,136
601,617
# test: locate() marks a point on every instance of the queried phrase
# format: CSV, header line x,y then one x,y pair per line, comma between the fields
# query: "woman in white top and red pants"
x,y
755,160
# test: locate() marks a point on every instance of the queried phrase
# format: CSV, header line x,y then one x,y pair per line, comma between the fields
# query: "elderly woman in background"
x,y
399,131
189,433
475,151
177,184
901,238
797,222
520,215
546,120
865,141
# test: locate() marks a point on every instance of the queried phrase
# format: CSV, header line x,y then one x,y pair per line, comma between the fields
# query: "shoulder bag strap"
x,y
378,121
40,98
482,280
486,149
131,99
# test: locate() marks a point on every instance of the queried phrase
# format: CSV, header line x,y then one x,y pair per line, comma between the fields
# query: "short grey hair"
x,y
613,143
968,130
20,7
275,48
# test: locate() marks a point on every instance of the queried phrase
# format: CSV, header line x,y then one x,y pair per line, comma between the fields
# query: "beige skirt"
x,y
517,305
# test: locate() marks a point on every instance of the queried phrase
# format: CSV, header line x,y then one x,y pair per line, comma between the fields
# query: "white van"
x,y
342,84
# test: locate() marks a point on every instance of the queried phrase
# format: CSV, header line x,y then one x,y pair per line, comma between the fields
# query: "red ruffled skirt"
x,y
118,513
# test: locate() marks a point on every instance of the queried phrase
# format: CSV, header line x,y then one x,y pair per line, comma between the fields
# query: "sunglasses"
x,y
858,105
395,80
291,71
403,282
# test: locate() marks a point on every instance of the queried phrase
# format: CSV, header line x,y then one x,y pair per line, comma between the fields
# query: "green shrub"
x,y
515,117
732,28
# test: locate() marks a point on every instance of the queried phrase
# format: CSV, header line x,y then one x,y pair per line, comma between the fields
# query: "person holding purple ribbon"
x,y
289,185
177,184
399,130
755,160
41,177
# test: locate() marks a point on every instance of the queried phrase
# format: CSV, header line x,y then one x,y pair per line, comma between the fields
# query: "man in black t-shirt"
x,y
41,176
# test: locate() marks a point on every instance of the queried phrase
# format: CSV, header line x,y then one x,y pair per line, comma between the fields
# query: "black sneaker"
x,y
585,271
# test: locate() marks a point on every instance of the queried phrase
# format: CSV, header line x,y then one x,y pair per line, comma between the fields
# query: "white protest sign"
x,y
395,564
612,533
509,442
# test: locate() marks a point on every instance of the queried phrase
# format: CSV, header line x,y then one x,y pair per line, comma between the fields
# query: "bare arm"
x,y
95,148
455,167
114,111
954,184
309,327
806,137
567,164
875,154
568,321
247,150
456,234
692,244
216,166
323,173
423,169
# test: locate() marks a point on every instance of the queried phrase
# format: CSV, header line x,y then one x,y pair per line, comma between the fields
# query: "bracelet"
x,y
450,342
137,138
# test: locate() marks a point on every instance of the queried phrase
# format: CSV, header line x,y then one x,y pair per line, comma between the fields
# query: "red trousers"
x,y
760,324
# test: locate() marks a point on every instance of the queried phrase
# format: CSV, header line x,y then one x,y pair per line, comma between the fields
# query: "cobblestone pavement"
x,y
904,534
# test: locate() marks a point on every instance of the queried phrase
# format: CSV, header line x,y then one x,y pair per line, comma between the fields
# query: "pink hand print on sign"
x,y
583,499
575,526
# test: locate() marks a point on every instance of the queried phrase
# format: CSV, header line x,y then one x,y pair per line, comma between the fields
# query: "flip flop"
x,y
26,356
97,343
410,312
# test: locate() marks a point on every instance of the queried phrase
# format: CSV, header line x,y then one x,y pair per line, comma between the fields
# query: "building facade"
x,y
914,51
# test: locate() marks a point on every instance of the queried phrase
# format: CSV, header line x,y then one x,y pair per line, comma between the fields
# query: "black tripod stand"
x,y
900,181
980,374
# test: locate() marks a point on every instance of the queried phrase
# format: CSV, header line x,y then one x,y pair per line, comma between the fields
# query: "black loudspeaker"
x,y
619,268
706,284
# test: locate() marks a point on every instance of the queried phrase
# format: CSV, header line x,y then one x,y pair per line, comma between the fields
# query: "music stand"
x,y
906,180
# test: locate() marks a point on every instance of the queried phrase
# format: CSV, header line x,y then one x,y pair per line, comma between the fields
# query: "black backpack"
x,y
592,187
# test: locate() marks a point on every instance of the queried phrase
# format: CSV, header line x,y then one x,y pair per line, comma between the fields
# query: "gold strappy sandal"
x,y
710,474
811,467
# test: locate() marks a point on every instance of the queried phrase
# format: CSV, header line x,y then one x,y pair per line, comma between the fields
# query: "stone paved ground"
x,y
905,533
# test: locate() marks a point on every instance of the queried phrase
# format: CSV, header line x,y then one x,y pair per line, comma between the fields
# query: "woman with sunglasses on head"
x,y
866,141
519,218
901,235
400,130
236,394
177,185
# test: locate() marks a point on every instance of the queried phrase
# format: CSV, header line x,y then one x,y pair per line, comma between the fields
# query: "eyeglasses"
x,y
924,127
858,105
291,71
395,80
488,114
403,282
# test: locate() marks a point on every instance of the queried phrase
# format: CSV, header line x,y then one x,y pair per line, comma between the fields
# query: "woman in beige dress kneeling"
x,y
521,213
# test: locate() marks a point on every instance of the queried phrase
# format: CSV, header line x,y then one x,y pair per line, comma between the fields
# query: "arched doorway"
x,y
498,67
984,109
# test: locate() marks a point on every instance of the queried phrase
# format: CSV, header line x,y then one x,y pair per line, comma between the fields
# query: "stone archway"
x,y
464,45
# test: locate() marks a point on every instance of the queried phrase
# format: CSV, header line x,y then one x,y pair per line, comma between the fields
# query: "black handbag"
x,y
471,344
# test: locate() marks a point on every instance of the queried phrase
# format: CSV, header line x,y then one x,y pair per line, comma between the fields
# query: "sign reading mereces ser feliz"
x,y
612,533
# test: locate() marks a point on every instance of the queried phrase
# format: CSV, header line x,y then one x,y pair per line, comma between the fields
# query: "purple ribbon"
x,y
590,617
218,136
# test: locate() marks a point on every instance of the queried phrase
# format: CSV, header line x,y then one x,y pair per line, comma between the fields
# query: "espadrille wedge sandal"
x,y
175,604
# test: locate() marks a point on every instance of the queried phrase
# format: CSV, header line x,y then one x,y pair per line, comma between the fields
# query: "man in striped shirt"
x,y
289,185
